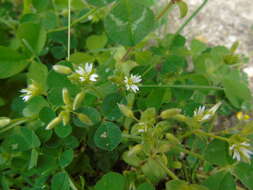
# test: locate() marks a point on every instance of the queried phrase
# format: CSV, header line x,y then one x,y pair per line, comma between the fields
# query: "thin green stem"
x,y
211,135
168,171
69,27
27,45
17,122
78,20
190,153
163,12
191,17
183,86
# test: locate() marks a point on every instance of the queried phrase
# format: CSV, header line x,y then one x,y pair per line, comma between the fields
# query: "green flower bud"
x,y
54,123
62,69
4,121
126,111
78,100
65,115
84,118
177,165
172,138
66,96
170,113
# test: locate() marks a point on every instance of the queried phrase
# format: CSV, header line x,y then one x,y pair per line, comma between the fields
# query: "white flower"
x,y
86,73
132,82
201,114
30,91
241,151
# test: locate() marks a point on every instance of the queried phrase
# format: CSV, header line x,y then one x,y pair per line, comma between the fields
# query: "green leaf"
x,y
155,98
220,181
25,139
217,153
183,8
38,72
63,131
175,185
66,158
110,106
107,136
91,113
112,181
146,186
244,172
96,42
40,5
182,185
34,35
34,106
129,22
60,181
34,159
11,62
100,3
237,92
154,175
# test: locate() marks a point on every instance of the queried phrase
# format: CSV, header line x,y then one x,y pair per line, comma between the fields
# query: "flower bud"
x,y
172,138
84,118
126,111
66,96
62,69
4,121
54,123
65,115
166,114
78,100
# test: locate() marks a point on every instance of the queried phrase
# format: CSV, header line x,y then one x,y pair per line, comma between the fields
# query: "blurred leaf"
x,y
220,181
66,158
107,136
34,34
129,22
60,181
112,181
96,42
11,62
244,172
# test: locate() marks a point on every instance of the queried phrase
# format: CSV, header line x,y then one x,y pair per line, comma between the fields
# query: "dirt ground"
x,y
222,22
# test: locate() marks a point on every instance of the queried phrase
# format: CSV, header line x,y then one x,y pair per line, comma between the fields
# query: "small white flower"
x,y
201,114
132,82
30,91
86,73
241,151
27,94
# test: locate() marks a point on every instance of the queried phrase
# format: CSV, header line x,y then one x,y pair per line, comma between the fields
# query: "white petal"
x,y
88,67
24,91
136,78
93,77
80,70
134,88
26,98
215,108
82,79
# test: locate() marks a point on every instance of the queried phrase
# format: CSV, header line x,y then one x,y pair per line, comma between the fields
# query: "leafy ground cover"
x,y
92,98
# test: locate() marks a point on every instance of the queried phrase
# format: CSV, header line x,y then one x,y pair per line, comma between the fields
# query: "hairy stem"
x,y
69,27
191,17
